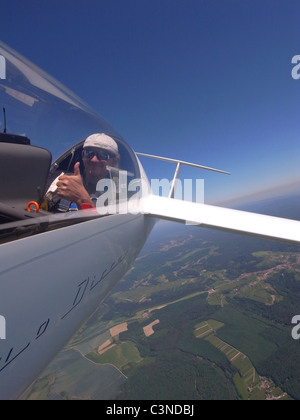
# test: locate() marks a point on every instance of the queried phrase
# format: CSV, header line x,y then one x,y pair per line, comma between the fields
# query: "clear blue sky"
x,y
207,81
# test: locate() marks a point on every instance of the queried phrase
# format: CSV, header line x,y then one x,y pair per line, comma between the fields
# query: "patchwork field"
x,y
249,384
197,318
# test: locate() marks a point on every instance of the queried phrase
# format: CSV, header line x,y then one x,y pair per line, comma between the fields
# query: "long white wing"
x,y
223,218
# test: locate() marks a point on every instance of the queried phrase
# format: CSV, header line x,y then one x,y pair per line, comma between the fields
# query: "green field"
x,y
207,327
79,379
120,355
247,381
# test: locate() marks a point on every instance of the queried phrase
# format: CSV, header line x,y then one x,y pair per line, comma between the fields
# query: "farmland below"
x,y
201,315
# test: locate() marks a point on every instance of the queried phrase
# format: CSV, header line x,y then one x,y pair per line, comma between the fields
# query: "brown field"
x,y
105,347
118,329
148,330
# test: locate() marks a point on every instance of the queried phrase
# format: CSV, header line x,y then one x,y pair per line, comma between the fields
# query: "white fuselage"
x,y
52,282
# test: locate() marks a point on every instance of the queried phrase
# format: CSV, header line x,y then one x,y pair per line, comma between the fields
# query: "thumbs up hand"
x,y
72,189
77,169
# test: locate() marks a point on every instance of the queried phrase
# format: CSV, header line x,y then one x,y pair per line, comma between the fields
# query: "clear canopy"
x,y
35,105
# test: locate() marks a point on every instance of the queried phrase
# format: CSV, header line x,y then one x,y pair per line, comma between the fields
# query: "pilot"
x,y
100,151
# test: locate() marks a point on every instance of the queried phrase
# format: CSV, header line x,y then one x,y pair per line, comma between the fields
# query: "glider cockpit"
x,y
26,172
23,173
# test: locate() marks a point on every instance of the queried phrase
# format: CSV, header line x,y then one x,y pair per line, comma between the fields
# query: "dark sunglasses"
x,y
101,154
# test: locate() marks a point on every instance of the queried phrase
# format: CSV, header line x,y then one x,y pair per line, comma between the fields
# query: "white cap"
x,y
102,141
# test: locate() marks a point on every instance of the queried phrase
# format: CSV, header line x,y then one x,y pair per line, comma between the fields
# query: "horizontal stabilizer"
x,y
237,221
182,162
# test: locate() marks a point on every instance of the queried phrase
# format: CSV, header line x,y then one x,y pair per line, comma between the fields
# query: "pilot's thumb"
x,y
77,169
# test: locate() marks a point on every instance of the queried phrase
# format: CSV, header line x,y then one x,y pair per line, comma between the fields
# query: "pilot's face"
x,y
95,161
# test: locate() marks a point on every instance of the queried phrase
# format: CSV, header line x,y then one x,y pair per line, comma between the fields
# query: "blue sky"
x,y
206,81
